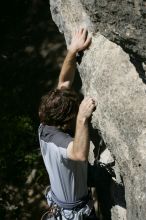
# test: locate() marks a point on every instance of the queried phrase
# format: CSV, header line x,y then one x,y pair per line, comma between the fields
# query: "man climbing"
x,y
66,157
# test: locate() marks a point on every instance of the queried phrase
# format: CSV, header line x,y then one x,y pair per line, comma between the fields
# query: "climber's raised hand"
x,y
80,40
86,108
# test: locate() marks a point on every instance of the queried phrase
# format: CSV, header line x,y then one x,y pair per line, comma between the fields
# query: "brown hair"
x,y
59,107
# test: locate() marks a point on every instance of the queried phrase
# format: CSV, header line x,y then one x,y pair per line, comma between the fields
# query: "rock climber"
x,y
66,157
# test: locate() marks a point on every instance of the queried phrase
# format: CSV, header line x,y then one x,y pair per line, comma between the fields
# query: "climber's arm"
x,y
78,149
68,70
79,42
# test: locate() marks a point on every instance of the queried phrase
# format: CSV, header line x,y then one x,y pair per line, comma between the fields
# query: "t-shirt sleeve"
x,y
63,144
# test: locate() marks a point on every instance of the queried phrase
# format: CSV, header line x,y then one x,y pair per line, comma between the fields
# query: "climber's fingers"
x,y
87,42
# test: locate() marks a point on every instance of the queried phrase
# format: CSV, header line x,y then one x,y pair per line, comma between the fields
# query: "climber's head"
x,y
59,108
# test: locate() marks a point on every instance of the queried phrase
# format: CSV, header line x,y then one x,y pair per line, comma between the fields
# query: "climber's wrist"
x,y
72,51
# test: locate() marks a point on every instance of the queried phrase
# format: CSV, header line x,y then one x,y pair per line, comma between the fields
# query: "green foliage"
x,y
17,142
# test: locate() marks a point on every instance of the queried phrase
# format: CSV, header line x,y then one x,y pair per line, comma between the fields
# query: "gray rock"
x,y
108,74
122,21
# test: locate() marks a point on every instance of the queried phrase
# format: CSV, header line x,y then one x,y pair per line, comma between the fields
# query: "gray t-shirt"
x,y
68,178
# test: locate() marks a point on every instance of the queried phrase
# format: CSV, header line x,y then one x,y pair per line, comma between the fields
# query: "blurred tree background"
x,y
31,53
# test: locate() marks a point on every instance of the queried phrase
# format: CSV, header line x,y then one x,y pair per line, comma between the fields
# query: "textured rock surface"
x,y
123,21
109,76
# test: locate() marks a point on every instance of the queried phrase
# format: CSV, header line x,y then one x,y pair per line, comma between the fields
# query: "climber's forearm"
x,y
79,42
79,148
81,140
67,73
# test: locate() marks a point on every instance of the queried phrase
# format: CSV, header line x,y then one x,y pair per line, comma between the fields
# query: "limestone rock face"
x,y
110,76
